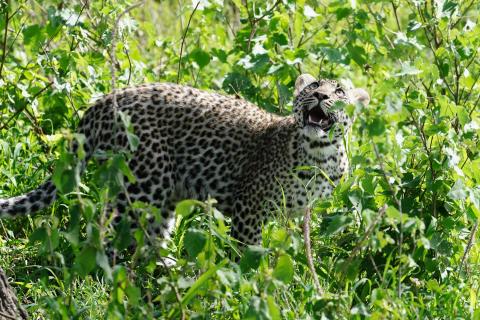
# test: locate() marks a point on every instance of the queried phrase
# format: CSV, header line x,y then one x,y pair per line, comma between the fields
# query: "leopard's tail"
x,y
30,202
46,193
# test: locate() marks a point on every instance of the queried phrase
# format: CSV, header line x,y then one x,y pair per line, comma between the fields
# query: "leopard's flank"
x,y
198,144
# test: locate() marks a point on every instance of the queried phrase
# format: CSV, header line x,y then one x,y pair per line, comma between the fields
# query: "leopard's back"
x,y
205,139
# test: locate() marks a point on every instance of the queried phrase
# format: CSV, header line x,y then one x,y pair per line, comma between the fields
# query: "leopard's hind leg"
x,y
154,187
247,221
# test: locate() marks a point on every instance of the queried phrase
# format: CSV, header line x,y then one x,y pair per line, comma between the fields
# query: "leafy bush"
x,y
398,237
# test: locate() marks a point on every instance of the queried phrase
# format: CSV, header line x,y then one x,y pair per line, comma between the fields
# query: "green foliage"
x,y
396,240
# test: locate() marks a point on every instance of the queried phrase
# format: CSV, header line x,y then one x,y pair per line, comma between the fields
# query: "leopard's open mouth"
x,y
316,117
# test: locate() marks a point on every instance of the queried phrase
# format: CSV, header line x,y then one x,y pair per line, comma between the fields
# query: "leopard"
x,y
197,144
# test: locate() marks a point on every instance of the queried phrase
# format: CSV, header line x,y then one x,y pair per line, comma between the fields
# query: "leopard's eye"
x,y
340,92
314,85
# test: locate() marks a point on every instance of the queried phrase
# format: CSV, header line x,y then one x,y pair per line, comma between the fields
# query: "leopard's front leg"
x,y
247,224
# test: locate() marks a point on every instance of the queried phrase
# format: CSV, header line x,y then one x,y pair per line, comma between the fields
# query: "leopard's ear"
x,y
359,95
303,81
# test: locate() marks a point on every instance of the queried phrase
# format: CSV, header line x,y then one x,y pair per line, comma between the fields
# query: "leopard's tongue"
x,y
314,118
316,115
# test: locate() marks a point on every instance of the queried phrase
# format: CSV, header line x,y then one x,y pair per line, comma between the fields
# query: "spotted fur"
x,y
195,144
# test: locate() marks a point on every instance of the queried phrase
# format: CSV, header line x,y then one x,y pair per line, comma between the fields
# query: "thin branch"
x,y
399,206
307,218
394,6
16,36
113,57
384,173
426,31
129,65
474,106
250,18
354,252
253,30
462,15
469,245
174,288
25,106
4,43
303,39
375,266
457,78
470,90
268,12
183,41
430,161
72,44
253,21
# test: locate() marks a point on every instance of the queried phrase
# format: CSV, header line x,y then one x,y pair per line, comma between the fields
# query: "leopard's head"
x,y
315,108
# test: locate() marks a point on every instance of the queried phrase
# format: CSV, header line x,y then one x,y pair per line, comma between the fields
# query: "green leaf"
x,y
66,175
258,310
201,57
279,239
449,7
121,164
39,234
284,269
407,69
279,38
186,207
134,294
252,257
201,281
433,285
86,261
194,242
337,223
357,53
458,191
236,82
33,34
273,309
102,262
227,277
393,213
343,12
376,126
220,54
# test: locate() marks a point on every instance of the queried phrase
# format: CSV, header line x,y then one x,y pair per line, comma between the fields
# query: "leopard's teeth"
x,y
310,119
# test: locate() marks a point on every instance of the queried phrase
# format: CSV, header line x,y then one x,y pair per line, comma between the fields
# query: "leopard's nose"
x,y
320,96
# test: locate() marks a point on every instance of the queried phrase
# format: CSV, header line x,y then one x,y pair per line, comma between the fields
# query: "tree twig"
x,y
269,11
394,6
471,239
175,290
24,107
353,253
307,218
129,65
183,41
253,21
4,43
113,57
72,44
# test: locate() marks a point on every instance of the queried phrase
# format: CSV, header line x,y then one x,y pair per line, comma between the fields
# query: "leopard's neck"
x,y
324,155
